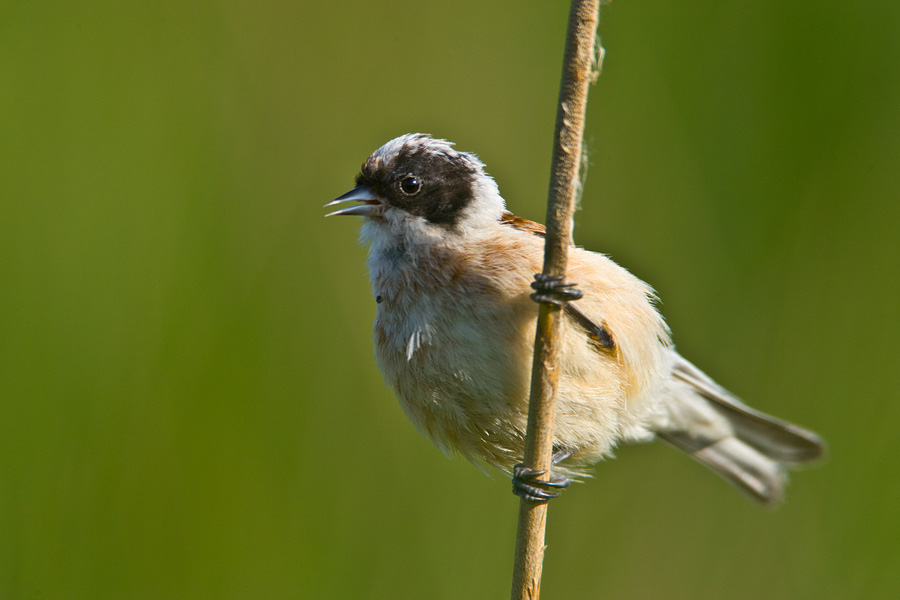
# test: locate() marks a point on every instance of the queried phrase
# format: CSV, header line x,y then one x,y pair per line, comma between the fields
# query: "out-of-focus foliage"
x,y
188,403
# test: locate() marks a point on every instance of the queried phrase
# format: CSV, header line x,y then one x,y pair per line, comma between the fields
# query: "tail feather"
x,y
779,440
748,448
759,477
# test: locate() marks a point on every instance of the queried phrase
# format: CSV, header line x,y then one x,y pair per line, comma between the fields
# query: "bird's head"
x,y
416,182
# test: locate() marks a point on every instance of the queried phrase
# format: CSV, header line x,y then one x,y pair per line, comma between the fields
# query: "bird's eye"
x,y
410,185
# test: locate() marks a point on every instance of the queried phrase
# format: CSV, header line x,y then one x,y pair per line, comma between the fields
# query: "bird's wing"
x,y
599,334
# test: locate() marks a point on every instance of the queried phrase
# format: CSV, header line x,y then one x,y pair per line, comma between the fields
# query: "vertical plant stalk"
x,y
578,63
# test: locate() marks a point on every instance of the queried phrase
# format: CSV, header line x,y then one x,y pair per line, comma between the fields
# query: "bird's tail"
x,y
748,448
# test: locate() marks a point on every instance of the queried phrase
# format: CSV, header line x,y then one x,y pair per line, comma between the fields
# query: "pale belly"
x,y
463,379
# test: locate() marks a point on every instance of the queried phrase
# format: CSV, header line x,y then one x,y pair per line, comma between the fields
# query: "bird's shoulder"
x,y
508,219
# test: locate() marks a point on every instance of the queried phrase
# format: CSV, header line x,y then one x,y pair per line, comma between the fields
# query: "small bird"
x,y
451,271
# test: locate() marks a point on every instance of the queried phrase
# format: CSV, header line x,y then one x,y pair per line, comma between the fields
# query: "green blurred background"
x,y
189,407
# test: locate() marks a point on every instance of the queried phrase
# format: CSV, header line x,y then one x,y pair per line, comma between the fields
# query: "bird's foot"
x,y
552,289
530,485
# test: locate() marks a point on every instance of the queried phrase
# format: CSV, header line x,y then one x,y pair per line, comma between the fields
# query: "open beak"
x,y
370,207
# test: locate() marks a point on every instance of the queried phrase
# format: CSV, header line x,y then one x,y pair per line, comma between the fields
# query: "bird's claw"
x,y
529,484
552,289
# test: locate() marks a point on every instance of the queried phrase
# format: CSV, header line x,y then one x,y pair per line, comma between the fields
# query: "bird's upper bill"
x,y
370,207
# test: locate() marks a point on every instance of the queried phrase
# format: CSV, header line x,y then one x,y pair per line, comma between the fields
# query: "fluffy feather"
x,y
454,332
